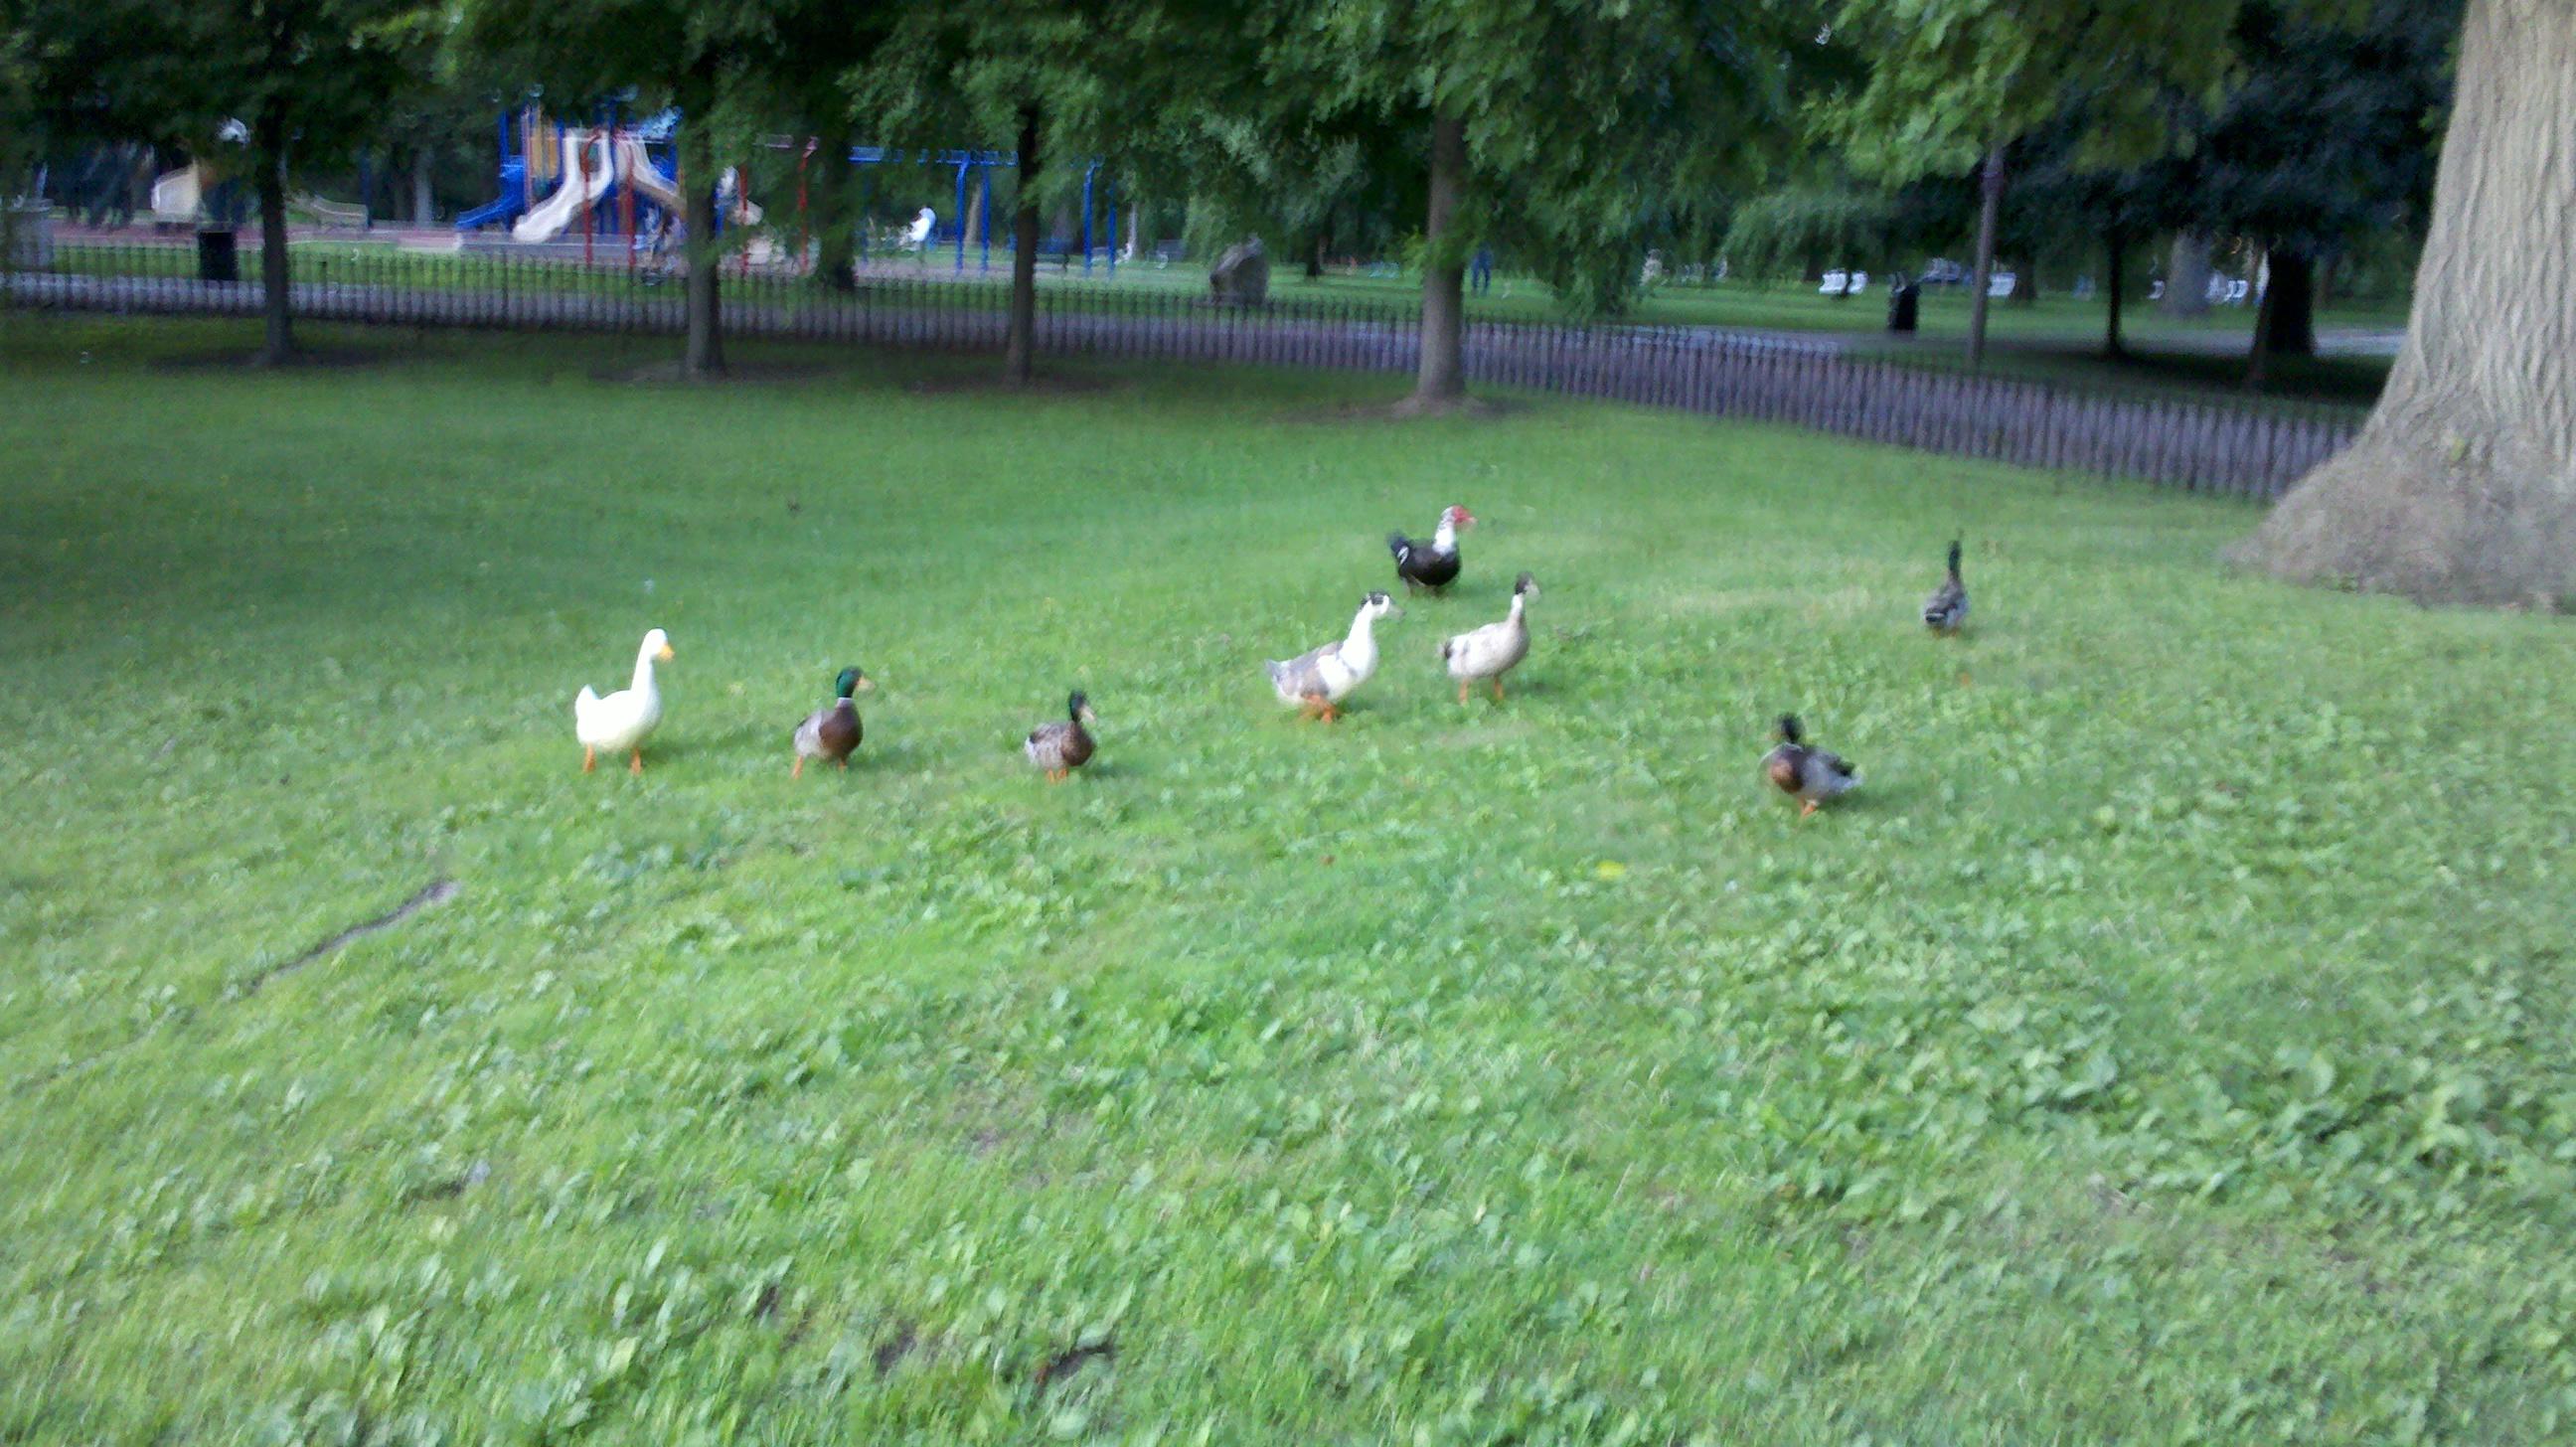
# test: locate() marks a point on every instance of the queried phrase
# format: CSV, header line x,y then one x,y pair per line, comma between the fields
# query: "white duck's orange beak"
x,y
666,655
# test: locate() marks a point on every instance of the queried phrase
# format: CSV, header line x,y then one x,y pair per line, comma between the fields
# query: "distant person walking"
x,y
1480,271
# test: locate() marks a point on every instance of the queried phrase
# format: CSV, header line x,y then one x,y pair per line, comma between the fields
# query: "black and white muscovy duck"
x,y
1432,565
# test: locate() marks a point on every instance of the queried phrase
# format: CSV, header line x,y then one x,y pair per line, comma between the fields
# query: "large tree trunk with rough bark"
x,y
1990,207
277,303
2187,276
2462,486
1441,382
704,357
1019,348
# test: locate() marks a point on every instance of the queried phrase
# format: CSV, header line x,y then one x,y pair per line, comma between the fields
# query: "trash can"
x,y
1904,307
217,259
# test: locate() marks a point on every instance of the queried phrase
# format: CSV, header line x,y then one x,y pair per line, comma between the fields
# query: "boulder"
x,y
1241,277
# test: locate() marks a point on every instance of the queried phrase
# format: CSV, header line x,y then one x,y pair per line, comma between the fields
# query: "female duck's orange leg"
x,y
589,759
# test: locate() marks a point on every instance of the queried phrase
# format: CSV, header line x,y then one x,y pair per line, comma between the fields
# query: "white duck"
x,y
1495,649
1320,678
624,719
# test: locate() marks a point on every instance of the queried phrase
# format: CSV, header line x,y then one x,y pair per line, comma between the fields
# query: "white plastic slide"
x,y
583,185
635,166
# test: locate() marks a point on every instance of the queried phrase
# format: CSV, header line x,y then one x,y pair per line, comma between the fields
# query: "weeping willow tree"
x,y
1791,229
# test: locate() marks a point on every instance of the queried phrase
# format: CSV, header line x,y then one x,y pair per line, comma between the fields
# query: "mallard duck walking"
x,y
1947,609
1811,775
623,720
1060,748
1318,679
1496,649
833,731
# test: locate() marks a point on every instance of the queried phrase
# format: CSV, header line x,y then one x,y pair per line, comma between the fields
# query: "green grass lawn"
x,y
2169,1042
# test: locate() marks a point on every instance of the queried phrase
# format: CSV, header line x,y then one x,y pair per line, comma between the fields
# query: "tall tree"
x,y
1052,78
1951,83
306,78
2462,486
2321,137
1547,127
693,54
812,54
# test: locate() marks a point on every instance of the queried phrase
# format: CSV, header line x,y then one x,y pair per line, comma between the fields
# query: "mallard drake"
x,y
833,731
1318,679
1496,649
1061,747
1432,565
1812,775
624,719
1947,608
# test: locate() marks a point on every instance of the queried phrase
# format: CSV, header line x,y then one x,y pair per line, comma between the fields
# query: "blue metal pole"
x,y
984,222
1112,199
961,217
1088,173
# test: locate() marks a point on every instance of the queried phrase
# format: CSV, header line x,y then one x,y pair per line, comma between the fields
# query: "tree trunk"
x,y
1019,348
2025,287
2287,319
424,200
1442,381
1315,258
704,358
2115,261
277,303
831,188
2462,485
1989,211
2187,276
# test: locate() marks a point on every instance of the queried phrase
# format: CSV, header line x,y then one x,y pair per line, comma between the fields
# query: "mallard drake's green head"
x,y
1078,708
851,681
1789,728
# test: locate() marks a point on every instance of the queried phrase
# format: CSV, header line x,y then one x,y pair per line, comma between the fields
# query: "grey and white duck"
x,y
1318,679
1486,654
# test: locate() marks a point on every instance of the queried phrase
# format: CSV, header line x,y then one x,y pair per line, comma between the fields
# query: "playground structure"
x,y
608,180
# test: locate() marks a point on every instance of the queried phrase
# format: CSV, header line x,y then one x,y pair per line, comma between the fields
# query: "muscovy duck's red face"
x,y
1459,517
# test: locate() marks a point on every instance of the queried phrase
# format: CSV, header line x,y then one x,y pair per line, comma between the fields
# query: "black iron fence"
x,y
2245,448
